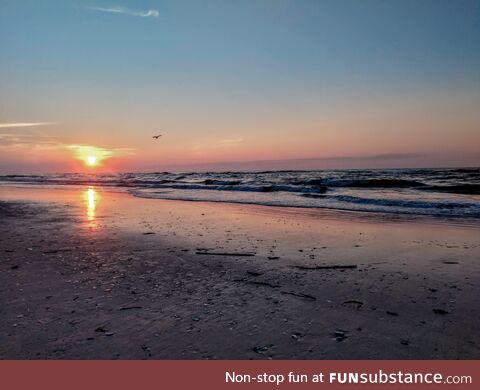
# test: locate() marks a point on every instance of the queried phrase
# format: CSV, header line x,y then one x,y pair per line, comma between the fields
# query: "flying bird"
x,y
157,136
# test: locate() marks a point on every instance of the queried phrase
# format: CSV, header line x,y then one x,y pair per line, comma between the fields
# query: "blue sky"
x,y
329,78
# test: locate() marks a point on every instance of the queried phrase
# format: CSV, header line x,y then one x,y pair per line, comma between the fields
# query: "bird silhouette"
x,y
157,136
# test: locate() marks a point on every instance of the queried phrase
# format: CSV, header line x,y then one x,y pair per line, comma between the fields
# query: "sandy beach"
x,y
92,274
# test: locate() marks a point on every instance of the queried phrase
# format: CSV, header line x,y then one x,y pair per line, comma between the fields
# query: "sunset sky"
x,y
238,84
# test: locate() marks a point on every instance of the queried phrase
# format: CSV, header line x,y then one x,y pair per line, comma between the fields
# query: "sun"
x,y
91,157
91,161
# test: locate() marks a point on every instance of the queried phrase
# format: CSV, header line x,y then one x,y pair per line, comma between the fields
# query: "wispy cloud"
x,y
151,13
83,151
24,124
11,141
223,143
231,141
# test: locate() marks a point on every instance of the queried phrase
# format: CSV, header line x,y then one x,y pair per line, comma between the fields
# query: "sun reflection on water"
x,y
91,198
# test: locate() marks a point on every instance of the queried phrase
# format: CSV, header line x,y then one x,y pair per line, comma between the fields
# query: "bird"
x,y
157,136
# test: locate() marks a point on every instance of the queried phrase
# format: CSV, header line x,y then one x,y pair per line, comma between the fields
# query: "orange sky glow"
x,y
323,91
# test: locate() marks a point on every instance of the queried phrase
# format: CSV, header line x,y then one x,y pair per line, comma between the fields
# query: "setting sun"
x,y
92,156
91,161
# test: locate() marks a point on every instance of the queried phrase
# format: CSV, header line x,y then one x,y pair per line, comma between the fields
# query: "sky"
x,y
238,84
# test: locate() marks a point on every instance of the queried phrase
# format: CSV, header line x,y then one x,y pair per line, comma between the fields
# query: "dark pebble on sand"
x,y
297,335
260,350
354,303
392,313
130,307
440,311
340,335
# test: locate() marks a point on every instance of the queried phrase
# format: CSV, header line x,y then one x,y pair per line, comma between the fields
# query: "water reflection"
x,y
91,198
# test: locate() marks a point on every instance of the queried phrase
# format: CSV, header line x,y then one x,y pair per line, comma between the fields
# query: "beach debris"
x,y
130,307
273,257
450,262
254,273
242,254
260,349
391,313
148,233
257,283
353,303
196,318
15,267
340,335
404,342
306,267
52,251
100,329
440,311
109,333
297,335
300,295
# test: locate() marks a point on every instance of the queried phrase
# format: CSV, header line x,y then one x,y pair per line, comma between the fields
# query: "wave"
x,y
386,183
417,204
453,192
460,181
468,189
450,208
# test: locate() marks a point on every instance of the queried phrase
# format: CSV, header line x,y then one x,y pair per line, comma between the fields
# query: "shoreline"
x,y
112,276
323,212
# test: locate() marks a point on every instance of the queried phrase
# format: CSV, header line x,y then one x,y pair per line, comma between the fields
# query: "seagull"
x,y
157,136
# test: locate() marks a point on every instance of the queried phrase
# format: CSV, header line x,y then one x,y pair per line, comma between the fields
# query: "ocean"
x,y
434,192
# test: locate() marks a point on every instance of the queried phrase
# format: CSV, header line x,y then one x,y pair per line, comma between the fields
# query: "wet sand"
x,y
89,274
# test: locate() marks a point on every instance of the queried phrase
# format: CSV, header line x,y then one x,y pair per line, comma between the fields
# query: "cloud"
x,y
151,13
219,144
230,141
399,156
24,124
13,139
384,156
84,151
37,142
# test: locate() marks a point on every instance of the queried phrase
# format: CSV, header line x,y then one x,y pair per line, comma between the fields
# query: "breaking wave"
x,y
437,192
